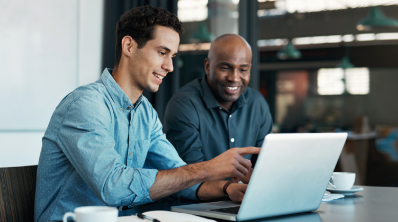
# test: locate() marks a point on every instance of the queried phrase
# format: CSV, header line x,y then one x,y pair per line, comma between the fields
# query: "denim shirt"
x,y
100,149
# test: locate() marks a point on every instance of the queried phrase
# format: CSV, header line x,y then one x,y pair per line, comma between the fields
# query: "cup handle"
x,y
69,214
331,182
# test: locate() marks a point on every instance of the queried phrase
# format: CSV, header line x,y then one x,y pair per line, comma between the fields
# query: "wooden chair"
x,y
17,193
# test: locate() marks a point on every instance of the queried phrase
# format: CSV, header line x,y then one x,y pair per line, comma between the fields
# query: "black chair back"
x,y
17,193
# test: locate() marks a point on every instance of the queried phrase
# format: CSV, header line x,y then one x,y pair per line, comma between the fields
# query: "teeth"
x,y
160,77
232,88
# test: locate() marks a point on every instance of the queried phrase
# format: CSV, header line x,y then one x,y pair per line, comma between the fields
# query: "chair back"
x,y
17,193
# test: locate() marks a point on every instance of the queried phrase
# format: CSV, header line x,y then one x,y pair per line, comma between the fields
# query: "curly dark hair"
x,y
139,23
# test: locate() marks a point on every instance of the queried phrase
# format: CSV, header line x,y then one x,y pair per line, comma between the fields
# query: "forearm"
x,y
228,164
168,182
211,190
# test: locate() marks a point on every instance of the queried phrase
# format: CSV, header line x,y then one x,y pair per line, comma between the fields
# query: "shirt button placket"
x,y
129,107
130,136
232,139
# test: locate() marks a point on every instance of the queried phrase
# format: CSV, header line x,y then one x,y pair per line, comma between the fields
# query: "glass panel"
x,y
291,6
357,80
204,20
330,81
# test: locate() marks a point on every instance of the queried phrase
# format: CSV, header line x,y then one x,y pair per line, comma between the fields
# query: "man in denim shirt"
x,y
104,144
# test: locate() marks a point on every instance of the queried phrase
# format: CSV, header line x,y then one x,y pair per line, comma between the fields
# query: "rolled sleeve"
x,y
143,179
190,192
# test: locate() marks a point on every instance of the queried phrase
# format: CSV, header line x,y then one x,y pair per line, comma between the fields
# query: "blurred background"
x,y
322,66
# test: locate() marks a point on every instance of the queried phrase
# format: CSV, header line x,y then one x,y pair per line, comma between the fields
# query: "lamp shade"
x,y
288,52
202,34
345,63
376,18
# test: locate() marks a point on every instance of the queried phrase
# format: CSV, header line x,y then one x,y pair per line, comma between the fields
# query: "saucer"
x,y
349,192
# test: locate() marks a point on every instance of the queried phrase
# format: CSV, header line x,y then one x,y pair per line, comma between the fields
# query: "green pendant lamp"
x,y
288,52
345,63
202,34
376,18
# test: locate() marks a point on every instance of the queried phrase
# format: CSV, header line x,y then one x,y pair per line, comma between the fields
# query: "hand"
x,y
245,179
236,191
231,164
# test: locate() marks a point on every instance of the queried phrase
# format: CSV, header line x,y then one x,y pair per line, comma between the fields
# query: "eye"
x,y
162,53
243,70
223,67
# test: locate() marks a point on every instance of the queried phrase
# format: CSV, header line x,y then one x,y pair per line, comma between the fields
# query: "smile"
x,y
158,76
233,88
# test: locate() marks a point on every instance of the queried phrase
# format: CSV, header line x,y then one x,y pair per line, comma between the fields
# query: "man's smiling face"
x,y
228,68
150,64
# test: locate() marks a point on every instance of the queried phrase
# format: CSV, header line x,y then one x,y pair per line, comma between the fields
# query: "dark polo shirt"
x,y
200,129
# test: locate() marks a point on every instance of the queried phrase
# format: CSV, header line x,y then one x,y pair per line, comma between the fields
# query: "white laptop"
x,y
291,175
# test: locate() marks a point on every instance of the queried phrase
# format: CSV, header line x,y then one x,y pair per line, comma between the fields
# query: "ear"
x,y
128,46
207,66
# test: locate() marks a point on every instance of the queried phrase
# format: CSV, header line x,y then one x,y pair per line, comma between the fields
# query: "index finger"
x,y
248,150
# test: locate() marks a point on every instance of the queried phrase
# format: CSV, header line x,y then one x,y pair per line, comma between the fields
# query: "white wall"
x,y
48,48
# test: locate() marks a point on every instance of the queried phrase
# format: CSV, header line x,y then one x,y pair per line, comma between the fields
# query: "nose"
x,y
168,64
234,76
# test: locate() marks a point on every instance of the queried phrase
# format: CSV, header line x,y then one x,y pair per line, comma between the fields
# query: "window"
x,y
336,81
192,10
357,81
302,6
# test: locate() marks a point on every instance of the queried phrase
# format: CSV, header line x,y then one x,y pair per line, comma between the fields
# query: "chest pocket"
x,y
137,153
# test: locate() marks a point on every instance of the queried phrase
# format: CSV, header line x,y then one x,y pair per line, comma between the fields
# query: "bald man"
x,y
217,112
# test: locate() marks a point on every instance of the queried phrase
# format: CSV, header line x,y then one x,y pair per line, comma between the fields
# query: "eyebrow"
x,y
225,64
230,65
167,49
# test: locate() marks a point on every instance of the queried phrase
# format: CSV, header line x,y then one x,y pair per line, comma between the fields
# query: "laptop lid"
x,y
291,174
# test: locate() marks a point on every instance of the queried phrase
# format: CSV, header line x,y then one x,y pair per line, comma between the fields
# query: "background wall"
x,y
48,48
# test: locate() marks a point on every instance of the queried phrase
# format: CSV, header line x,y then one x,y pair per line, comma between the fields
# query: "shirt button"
x,y
232,140
128,107
121,109
230,116
130,154
219,107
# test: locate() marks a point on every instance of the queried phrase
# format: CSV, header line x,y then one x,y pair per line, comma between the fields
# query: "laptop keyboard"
x,y
229,210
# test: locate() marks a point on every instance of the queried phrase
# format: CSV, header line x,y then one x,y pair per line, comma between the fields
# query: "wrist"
x,y
198,171
225,187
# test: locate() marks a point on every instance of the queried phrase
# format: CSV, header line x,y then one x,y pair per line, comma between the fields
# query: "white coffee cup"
x,y
342,180
93,214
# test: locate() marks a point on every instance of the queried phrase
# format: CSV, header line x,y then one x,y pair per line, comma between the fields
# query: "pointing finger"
x,y
248,150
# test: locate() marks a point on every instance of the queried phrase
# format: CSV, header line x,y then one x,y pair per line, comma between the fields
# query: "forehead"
x,y
166,37
233,53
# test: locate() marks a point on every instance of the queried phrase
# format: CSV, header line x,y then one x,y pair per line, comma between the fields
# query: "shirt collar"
x,y
208,96
211,100
242,99
117,94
